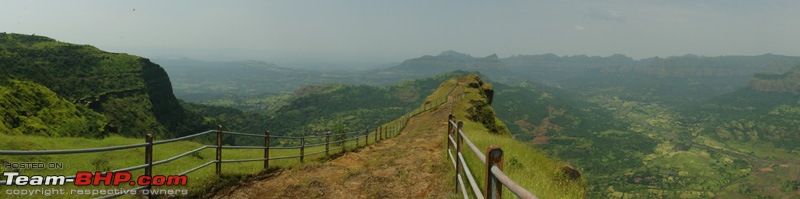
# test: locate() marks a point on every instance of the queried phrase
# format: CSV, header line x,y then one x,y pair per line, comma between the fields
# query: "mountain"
x,y
202,81
133,94
318,107
676,81
448,61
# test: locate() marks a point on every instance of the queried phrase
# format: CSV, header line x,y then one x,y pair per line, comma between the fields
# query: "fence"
x,y
493,161
380,133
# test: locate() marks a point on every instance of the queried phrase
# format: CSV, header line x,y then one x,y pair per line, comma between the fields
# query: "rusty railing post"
x,y
327,142
266,150
302,146
458,153
494,157
148,159
219,149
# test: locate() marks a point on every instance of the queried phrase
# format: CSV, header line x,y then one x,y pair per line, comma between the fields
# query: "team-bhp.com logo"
x,y
85,178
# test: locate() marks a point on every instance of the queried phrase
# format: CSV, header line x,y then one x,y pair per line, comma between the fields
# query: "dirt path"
x,y
407,166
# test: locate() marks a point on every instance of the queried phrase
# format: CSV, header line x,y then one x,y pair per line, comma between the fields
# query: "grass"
x,y
529,167
198,180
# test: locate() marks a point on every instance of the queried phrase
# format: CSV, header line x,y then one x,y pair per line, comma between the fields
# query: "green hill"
x,y
132,93
32,109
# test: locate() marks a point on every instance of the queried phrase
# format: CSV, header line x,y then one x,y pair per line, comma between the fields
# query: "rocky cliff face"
x,y
788,82
134,94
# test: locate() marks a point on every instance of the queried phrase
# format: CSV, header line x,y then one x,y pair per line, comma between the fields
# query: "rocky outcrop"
x,y
481,109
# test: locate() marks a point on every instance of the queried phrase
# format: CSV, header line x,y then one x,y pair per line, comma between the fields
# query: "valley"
x,y
644,128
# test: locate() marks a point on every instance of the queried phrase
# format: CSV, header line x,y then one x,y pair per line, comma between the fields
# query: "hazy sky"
x,y
374,32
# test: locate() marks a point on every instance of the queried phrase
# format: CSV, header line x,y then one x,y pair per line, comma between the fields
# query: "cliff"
x,y
132,93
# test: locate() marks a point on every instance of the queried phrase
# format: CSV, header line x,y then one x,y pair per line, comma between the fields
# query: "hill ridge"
x,y
414,164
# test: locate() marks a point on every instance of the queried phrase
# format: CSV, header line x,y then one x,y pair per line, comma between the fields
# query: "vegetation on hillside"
x,y
32,109
649,136
133,94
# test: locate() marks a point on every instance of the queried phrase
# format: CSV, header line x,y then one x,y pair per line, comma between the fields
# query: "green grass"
x,y
529,167
199,180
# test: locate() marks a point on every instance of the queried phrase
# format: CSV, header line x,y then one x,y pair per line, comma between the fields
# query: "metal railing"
x,y
380,133
492,160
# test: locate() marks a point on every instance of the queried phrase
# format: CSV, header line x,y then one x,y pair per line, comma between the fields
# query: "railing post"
x,y
219,149
366,138
377,132
458,153
302,147
327,141
449,130
494,157
148,151
148,159
266,150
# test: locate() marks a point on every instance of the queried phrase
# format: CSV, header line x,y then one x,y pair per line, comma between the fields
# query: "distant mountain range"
x,y
691,77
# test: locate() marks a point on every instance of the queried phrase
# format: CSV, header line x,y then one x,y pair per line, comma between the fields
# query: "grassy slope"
x,y
30,108
198,180
529,167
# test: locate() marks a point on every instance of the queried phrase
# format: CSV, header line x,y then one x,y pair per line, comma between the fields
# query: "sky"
x,y
361,33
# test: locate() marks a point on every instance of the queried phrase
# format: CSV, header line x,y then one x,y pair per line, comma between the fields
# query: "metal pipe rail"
x,y
492,160
380,133
71,151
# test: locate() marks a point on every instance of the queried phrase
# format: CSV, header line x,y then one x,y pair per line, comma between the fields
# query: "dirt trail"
x,y
407,166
